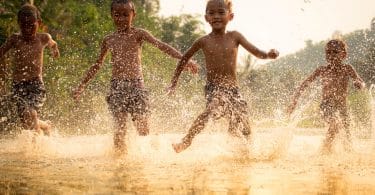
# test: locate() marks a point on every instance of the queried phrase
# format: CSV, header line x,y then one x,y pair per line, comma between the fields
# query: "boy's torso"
x,y
335,84
126,54
28,57
221,58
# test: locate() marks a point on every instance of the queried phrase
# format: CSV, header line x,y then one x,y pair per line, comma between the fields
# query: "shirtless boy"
x,y
127,93
27,50
220,49
335,77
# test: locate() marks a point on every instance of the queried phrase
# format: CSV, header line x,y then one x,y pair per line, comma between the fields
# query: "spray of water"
x,y
372,95
215,162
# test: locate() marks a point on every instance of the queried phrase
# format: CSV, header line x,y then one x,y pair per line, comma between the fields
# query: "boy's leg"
x,y
241,126
120,132
246,128
35,121
45,126
240,122
331,133
29,119
3,76
196,128
345,121
141,123
234,125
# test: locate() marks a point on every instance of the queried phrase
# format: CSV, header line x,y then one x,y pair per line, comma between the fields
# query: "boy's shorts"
x,y
225,102
28,94
331,110
125,96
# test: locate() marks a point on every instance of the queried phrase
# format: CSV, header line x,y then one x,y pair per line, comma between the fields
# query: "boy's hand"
x,y
359,85
192,66
55,52
171,89
273,54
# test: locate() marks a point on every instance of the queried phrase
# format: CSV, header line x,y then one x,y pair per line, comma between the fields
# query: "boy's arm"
x,y
164,47
302,87
272,54
161,45
184,60
357,80
7,45
53,45
92,71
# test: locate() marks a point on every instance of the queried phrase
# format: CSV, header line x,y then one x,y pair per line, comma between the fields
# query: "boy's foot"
x,y
179,147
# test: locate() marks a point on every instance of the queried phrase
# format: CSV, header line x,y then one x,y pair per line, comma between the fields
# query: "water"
x,y
281,160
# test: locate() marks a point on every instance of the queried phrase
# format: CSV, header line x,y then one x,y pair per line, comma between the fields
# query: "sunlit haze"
x,y
285,24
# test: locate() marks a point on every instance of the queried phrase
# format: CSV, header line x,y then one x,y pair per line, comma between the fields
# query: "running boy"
x,y
28,88
127,93
335,77
220,50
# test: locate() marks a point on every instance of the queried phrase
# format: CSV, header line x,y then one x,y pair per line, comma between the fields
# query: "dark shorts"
x,y
225,102
125,96
28,94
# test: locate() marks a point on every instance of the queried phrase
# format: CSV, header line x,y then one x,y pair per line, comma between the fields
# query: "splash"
x,y
281,159
372,95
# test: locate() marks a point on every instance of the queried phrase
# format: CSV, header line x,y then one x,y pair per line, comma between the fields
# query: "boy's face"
x,y
335,54
122,15
217,14
29,25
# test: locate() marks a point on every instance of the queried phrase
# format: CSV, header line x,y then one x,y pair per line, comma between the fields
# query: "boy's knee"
x,y
119,135
246,132
206,115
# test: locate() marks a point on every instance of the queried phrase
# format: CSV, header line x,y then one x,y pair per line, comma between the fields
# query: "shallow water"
x,y
279,161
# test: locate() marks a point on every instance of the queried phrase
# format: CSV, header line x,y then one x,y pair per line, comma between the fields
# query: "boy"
x,y
220,50
335,77
28,87
127,93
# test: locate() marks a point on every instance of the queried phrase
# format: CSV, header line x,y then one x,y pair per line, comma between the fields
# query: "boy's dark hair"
x,y
29,10
337,44
124,2
228,4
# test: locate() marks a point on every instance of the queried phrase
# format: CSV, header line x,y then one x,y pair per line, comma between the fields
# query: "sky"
x,y
285,24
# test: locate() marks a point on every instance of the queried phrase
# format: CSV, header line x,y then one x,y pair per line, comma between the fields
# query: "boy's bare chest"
x,y
124,42
220,47
334,78
23,48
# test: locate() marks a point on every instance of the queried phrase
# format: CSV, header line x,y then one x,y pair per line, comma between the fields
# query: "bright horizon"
x,y
285,24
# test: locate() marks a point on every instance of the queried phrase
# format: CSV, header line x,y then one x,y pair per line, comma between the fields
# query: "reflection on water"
x,y
280,161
